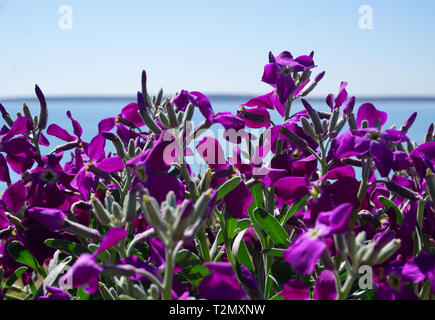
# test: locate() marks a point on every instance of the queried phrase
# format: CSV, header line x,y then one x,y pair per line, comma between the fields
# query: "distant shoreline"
x,y
211,97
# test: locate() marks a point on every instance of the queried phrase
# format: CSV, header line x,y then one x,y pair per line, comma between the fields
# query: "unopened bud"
x,y
333,121
152,211
408,123
430,184
145,116
315,119
401,191
294,138
130,206
100,212
43,115
81,230
117,211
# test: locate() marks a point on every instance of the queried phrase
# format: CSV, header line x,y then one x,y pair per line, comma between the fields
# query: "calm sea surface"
x,y
89,111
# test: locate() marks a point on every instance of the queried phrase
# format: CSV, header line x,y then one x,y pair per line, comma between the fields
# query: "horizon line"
x,y
211,96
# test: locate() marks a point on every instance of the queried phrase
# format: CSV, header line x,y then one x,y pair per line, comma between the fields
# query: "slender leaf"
x,y
72,248
227,187
293,210
390,204
13,278
22,255
192,268
272,227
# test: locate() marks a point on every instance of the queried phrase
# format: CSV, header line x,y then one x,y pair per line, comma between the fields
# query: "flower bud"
x,y
340,242
27,112
118,270
159,97
294,138
100,212
6,116
430,134
315,119
408,123
163,120
188,114
173,123
117,211
388,250
130,206
205,181
333,121
351,121
145,116
308,128
43,115
401,191
319,76
81,230
348,109
131,148
144,90
430,183
152,211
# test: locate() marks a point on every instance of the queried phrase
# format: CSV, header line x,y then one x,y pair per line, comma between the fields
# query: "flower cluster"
x,y
295,212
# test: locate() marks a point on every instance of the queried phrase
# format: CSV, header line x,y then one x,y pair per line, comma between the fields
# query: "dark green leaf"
x,y
227,187
72,248
13,278
390,204
192,268
293,210
22,255
272,227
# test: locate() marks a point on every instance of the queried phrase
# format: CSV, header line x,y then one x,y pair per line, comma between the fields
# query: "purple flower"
x,y
87,178
84,272
295,289
15,196
368,142
51,219
221,284
420,268
269,101
340,99
55,294
304,252
198,99
368,112
324,288
290,189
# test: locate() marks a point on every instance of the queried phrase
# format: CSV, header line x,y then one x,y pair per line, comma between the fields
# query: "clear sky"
x,y
213,46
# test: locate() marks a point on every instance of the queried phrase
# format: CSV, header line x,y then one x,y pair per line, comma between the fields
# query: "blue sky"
x,y
213,46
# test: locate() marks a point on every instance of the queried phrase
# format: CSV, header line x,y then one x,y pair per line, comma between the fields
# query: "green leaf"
x,y
293,210
22,255
227,187
390,204
243,256
59,269
242,225
192,268
82,295
236,244
274,252
72,248
258,196
231,224
272,227
13,278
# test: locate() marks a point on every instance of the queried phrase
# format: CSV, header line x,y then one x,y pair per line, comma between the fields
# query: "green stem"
x,y
202,238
